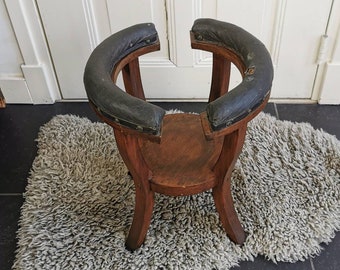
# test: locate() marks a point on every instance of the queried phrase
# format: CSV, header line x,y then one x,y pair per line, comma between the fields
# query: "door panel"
x,y
300,35
66,29
290,31
124,13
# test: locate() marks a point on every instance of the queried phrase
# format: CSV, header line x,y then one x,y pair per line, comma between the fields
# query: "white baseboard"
x,y
330,93
292,100
36,82
15,90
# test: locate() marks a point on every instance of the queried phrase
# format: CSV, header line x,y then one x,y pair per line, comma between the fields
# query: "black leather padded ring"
x,y
106,96
137,114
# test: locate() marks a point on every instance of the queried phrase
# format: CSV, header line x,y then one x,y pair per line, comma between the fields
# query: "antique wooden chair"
x,y
180,154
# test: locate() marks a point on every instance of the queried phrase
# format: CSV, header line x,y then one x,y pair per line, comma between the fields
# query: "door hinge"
x,y
323,50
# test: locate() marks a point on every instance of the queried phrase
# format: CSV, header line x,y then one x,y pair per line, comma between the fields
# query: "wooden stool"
x,y
180,154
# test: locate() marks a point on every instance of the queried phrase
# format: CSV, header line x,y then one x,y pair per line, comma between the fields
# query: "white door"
x,y
300,25
26,70
290,29
12,81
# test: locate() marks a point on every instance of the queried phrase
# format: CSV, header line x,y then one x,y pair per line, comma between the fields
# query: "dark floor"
x,y
19,125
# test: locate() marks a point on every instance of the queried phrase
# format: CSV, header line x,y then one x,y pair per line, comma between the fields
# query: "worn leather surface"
x,y
135,113
256,84
107,97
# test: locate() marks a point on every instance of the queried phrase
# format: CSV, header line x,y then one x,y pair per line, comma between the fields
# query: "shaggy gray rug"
x,y
79,202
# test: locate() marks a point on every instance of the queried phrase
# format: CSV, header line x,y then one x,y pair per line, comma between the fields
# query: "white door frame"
x,y
327,82
37,69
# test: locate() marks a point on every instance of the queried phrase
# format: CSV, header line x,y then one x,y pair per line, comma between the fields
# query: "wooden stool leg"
x,y
141,219
130,151
231,149
228,216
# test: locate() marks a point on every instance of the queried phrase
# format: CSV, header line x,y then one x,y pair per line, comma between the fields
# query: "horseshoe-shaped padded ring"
x,y
137,114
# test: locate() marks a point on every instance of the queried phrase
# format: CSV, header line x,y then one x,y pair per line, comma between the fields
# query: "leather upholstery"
x,y
256,84
106,96
137,114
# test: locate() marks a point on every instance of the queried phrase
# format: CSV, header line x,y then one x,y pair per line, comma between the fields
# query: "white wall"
x,y
28,77
10,56
12,82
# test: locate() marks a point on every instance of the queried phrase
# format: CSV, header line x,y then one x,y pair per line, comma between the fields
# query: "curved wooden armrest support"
x,y
131,57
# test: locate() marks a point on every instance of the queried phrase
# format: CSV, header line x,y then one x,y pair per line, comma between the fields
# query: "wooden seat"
x,y
182,163
180,154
